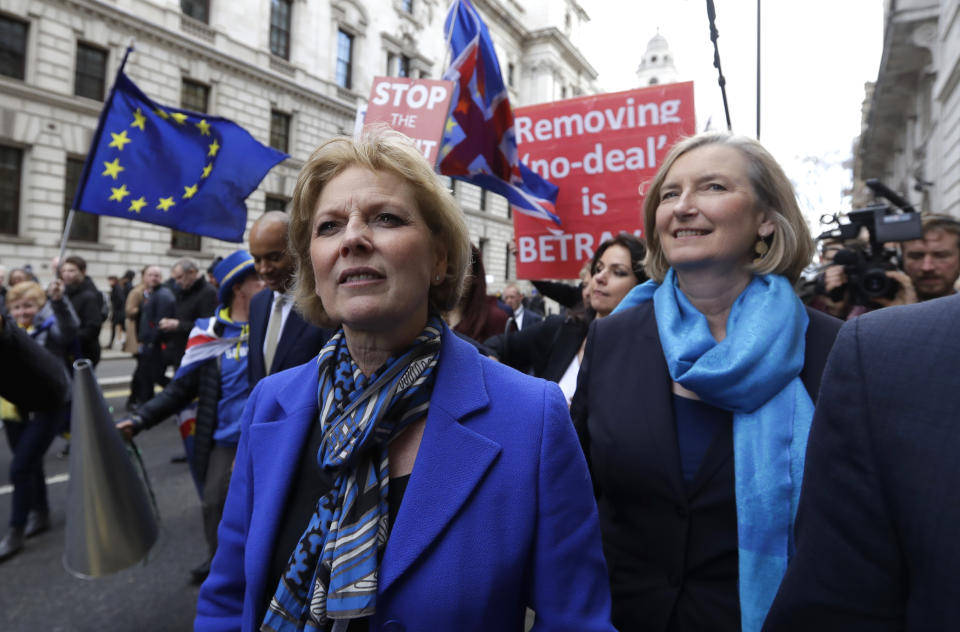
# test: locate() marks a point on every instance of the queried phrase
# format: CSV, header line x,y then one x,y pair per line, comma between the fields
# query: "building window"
x,y
11,169
86,226
510,71
91,72
280,28
180,240
563,92
482,246
483,199
407,5
194,96
344,59
197,9
13,47
280,131
508,262
453,187
276,203
403,67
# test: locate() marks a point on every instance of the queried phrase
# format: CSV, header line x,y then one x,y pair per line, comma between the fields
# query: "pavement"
x,y
38,594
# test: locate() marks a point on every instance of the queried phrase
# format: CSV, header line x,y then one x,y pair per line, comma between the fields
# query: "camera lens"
x,y
875,283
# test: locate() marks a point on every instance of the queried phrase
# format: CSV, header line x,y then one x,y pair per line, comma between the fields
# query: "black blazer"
x,y
877,545
544,349
299,341
671,551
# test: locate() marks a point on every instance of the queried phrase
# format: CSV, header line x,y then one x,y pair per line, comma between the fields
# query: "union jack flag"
x,y
479,144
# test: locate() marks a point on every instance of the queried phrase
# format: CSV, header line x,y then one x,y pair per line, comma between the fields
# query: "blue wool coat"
x,y
498,514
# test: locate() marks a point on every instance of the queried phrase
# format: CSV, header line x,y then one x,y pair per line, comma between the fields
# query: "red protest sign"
x,y
416,107
599,150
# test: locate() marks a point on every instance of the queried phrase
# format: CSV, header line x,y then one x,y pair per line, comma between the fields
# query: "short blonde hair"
x,y
27,289
791,246
378,149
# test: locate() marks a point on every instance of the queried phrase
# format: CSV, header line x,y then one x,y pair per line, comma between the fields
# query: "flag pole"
x,y
68,224
449,34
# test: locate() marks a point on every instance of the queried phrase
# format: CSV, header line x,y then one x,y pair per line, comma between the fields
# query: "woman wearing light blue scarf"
x,y
697,452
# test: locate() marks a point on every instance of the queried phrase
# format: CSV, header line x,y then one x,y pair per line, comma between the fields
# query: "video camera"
x,y
866,266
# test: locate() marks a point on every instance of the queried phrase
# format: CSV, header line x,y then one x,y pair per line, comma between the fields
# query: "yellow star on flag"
x,y
204,127
162,114
138,120
189,192
139,203
207,170
119,194
113,168
214,147
165,203
119,140
179,117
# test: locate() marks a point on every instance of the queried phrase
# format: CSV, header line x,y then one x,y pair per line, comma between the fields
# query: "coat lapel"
x,y
275,446
451,461
288,337
654,402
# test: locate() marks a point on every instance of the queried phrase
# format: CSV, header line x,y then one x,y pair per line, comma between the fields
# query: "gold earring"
x,y
761,248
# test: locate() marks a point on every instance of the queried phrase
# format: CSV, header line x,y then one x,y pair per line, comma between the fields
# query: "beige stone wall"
x,y
41,116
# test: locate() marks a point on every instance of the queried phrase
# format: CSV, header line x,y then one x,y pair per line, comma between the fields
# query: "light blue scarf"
x,y
754,373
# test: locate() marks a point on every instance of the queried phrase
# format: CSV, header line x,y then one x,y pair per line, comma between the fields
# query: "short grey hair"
x,y
187,265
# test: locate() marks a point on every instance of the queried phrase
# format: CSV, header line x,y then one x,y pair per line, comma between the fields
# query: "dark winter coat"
x,y
86,301
197,301
31,377
159,304
203,384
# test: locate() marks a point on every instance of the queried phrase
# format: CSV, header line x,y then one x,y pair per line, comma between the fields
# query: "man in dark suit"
x,y
521,317
279,337
196,298
876,543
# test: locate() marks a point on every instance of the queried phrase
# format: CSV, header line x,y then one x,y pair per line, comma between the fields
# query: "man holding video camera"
x,y
833,293
933,263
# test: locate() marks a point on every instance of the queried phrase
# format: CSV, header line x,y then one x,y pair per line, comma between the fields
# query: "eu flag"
x,y
167,166
479,143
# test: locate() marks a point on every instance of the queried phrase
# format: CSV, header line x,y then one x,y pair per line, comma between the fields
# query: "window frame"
x,y
281,33
186,100
347,65
86,226
272,200
12,193
83,77
278,117
20,72
203,5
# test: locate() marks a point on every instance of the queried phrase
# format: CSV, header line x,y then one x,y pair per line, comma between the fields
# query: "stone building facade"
x,y
910,138
292,72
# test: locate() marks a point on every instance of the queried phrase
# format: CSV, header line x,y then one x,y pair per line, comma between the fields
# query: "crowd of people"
x,y
691,443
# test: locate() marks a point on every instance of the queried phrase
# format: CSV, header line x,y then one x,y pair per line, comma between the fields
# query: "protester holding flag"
x,y
403,480
695,396
50,320
213,370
